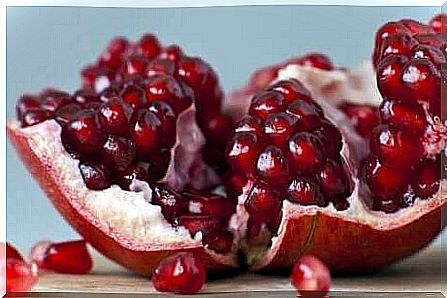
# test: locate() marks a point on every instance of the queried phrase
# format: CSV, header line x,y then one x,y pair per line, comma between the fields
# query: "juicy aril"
x,y
299,173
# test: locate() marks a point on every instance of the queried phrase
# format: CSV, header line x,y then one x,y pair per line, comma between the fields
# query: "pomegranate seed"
x,y
395,147
84,134
426,181
363,117
209,205
112,56
263,202
249,124
85,96
386,30
146,132
234,183
166,88
171,203
38,253
133,95
97,78
114,117
54,99
266,103
439,23
217,128
161,66
272,165
291,90
25,103
242,151
305,191
308,115
20,276
96,177
67,113
68,257
118,152
408,116
389,77
182,273
221,242
35,116
166,115
199,223
434,40
400,43
134,65
333,180
132,173
416,27
317,60
306,153
12,252
423,81
149,46
158,164
311,277
171,52
435,55
331,138
279,127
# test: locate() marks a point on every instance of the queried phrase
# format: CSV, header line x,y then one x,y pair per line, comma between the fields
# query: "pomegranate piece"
x,y
20,276
70,257
182,273
311,277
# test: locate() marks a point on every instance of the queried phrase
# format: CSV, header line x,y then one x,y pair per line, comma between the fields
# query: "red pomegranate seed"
x,y
111,92
209,205
85,96
363,117
430,39
279,127
409,116
171,203
166,88
221,242
67,113
167,117
242,152
20,276
308,114
416,27
263,202
400,43
68,257
158,164
25,103
234,183
395,147
115,116
35,116
306,153
134,65
317,60
199,223
12,252
194,71
389,77
38,253
217,128
149,46
118,152
305,191
266,103
272,165
84,134
133,95
161,66
54,99
172,52
249,124
311,277
182,273
96,176
145,132
423,81
426,180
386,30
112,56
331,138
435,55
333,180
439,23
97,78
291,90
126,177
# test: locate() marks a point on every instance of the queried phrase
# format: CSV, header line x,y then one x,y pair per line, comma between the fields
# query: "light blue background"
x,y
47,47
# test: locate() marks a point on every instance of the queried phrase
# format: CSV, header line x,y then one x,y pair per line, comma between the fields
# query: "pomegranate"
x,y
20,276
181,273
311,277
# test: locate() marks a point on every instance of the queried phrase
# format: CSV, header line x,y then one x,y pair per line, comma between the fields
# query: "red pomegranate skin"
x,y
142,260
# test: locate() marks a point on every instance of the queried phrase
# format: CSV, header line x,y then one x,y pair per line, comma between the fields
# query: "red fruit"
x,y
266,103
114,117
331,138
145,132
395,147
35,116
426,180
242,151
172,52
439,23
291,90
272,165
67,257
306,153
308,114
263,201
407,116
85,96
67,113
116,49
435,55
20,276
386,30
209,205
12,252
389,77
148,46
166,115
199,223
400,43
118,152
305,191
53,99
416,27
97,78
311,277
133,95
279,127
25,103
363,117
333,180
96,176
126,177
219,242
161,66
182,273
135,65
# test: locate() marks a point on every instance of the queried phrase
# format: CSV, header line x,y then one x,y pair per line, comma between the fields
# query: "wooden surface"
x,y
425,272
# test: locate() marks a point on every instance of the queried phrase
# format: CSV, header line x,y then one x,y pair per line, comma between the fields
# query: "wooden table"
x,y
423,275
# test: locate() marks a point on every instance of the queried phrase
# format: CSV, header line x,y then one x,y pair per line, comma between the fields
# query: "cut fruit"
x,y
311,277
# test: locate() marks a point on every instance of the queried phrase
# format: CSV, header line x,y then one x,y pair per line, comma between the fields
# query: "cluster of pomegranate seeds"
x,y
70,257
409,57
198,212
311,277
182,273
20,275
286,148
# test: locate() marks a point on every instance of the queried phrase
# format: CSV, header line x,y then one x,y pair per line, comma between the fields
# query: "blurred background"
x,y
47,46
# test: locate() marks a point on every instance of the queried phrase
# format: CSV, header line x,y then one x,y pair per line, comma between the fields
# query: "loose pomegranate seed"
x,y
20,276
68,257
242,152
363,117
311,277
263,202
118,152
409,116
199,223
182,273
266,103
84,134
279,127
439,23
12,252
172,52
306,153
149,46
96,176
272,165
389,77
333,180
400,43
145,132
114,117
291,90
395,147
305,191
423,81
35,116
308,115
112,56
426,181
166,88
221,242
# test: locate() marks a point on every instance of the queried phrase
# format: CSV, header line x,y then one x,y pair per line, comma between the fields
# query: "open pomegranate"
x,y
319,162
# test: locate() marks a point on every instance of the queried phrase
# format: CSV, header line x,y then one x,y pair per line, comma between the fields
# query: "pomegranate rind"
x,y
141,258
